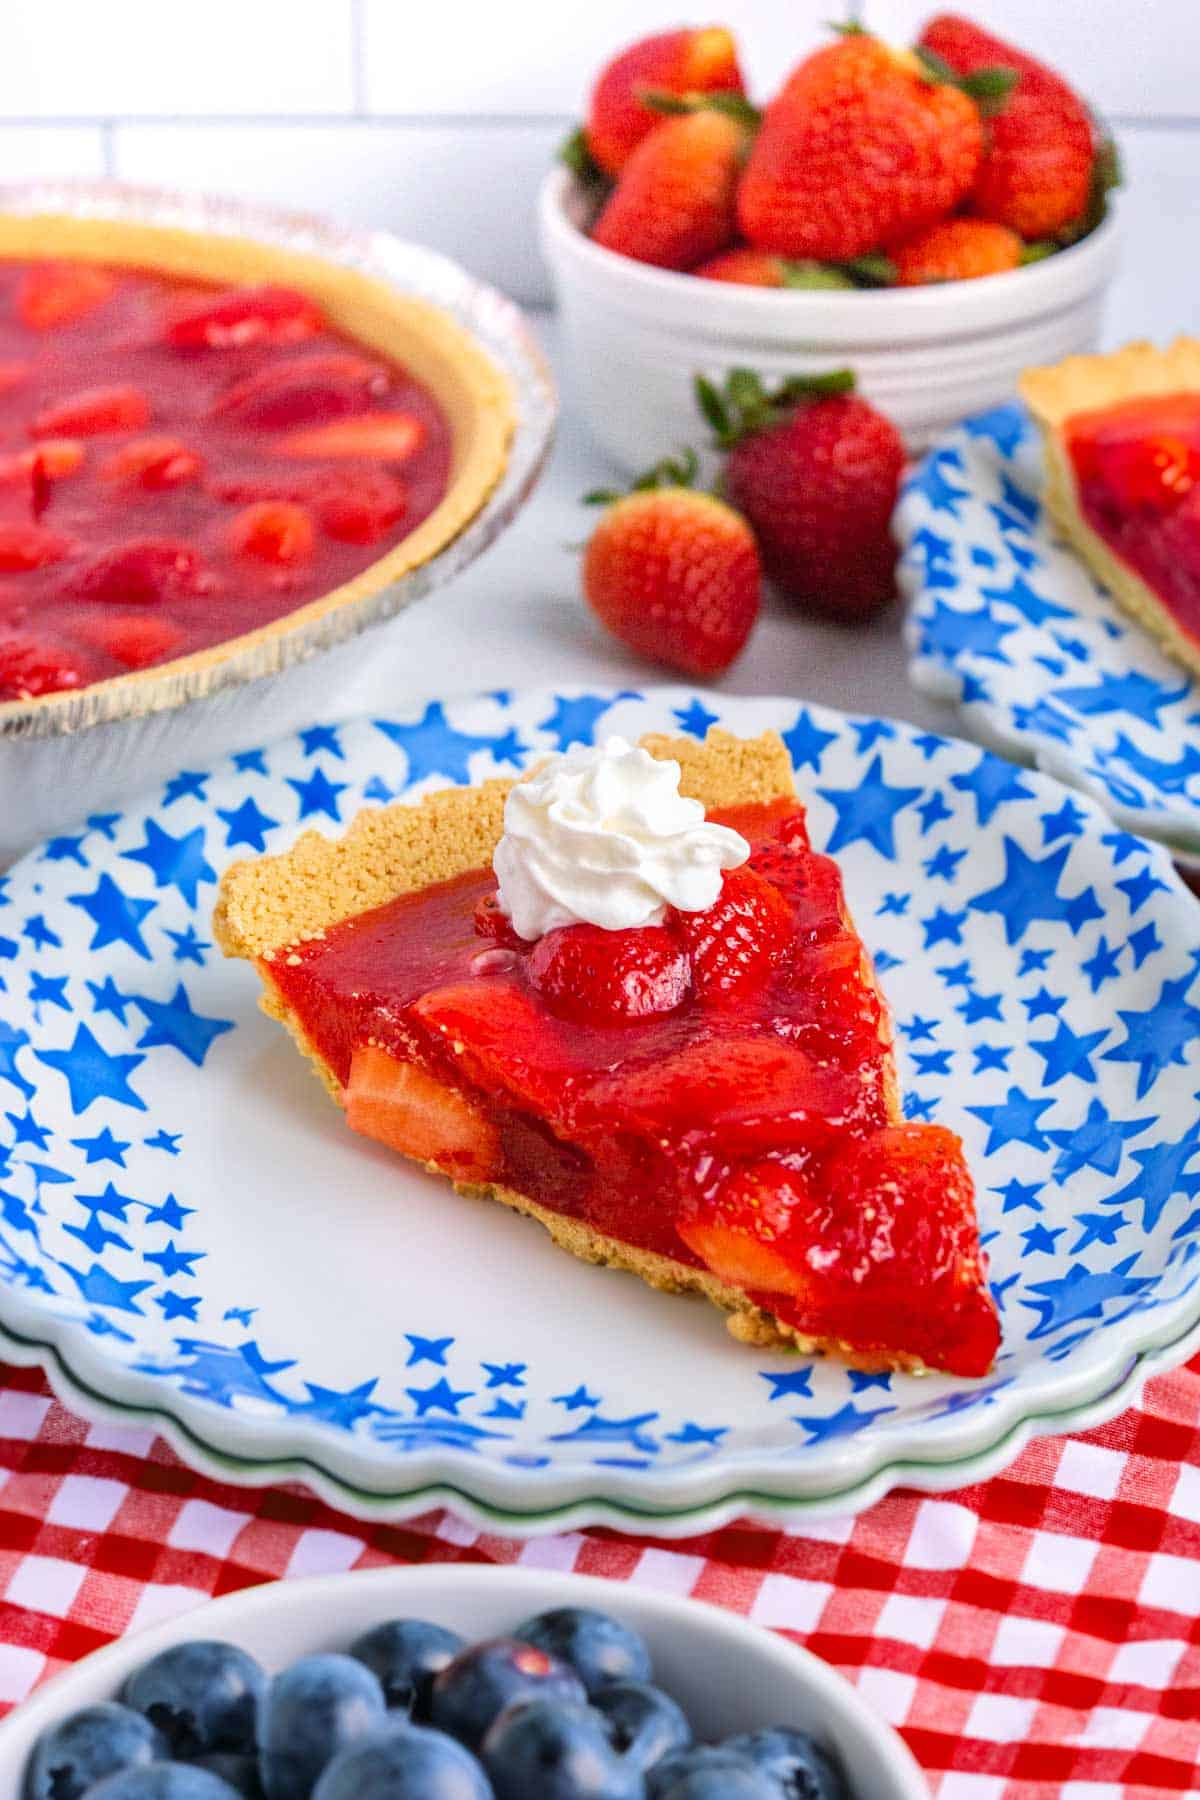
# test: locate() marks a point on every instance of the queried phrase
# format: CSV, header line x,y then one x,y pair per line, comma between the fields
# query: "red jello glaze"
x,y
1137,474
750,1136
140,418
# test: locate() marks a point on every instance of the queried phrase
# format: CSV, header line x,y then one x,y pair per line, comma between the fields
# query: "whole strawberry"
x,y
674,203
673,62
1040,156
755,268
859,150
815,470
956,250
674,573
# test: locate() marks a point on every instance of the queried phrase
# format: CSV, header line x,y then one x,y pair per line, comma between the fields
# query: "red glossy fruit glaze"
x,y
590,1071
1137,474
139,417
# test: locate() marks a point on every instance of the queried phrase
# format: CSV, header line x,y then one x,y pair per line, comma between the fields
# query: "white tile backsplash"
x,y
467,190
30,151
541,56
112,58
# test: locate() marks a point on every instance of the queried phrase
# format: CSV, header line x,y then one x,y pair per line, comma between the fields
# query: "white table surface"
x,y
517,617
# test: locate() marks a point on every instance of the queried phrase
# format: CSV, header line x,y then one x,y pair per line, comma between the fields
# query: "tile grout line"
x,y
419,121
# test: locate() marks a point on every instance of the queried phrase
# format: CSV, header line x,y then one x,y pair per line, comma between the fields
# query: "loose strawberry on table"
x,y
815,469
674,573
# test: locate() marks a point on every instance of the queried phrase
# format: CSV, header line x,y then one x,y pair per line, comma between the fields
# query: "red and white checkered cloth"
x,y
1036,1635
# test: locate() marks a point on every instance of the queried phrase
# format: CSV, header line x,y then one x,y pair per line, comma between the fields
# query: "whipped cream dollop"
x,y
602,836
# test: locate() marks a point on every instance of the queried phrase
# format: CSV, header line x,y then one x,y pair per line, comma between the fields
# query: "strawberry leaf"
x,y
574,154
989,88
744,406
712,406
814,275
870,271
733,106
1039,251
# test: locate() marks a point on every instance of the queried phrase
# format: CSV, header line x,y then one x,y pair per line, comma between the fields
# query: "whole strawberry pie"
x,y
625,996
200,438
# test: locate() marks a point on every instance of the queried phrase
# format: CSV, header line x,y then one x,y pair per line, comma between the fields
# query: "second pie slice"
x,y
708,1099
1122,441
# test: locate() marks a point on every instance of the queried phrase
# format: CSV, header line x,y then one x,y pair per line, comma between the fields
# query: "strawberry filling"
x,y
714,1089
1137,476
220,457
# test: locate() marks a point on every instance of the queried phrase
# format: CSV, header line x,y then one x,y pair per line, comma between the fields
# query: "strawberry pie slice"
x,y
625,996
1122,440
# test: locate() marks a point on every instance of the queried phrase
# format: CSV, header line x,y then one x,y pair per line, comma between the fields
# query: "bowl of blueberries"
x,y
452,1683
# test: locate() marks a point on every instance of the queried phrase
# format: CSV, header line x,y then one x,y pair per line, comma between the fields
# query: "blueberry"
x,y
800,1769
162,1781
87,1746
644,1723
237,1767
481,1681
312,1710
599,1649
202,1696
405,1762
558,1750
708,1773
406,1654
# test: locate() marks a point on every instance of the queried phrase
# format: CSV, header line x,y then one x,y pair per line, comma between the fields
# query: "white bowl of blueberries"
x,y
452,1683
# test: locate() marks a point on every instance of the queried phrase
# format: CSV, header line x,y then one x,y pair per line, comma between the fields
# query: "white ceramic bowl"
x,y
728,1675
636,336
60,763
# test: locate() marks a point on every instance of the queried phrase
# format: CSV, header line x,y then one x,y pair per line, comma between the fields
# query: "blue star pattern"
x,y
1040,963
1071,683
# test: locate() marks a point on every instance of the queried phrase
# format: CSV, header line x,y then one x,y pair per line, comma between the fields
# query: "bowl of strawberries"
x,y
937,218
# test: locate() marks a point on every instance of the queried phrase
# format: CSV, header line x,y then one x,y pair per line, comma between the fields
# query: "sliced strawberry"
x,y
302,390
359,507
56,293
144,572
248,315
30,666
891,1250
410,1110
606,977
380,437
30,547
833,1002
739,1236
735,943
274,531
747,1094
155,463
93,411
136,640
503,1039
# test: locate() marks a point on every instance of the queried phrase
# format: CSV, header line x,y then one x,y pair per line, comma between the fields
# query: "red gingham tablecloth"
x,y
1035,1635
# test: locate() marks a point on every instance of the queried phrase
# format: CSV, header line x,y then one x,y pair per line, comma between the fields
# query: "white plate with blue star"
x,y
1007,623
189,1233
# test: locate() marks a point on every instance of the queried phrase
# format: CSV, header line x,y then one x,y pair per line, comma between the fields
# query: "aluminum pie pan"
x,y
493,321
